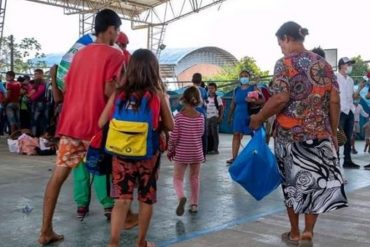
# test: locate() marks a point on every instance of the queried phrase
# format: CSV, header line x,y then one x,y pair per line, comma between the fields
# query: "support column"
x,y
86,23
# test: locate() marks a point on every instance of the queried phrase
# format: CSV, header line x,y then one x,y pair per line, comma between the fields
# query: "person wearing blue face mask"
x,y
244,80
239,114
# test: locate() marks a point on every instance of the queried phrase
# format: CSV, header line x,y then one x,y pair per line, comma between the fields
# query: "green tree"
x,y
359,69
24,52
230,75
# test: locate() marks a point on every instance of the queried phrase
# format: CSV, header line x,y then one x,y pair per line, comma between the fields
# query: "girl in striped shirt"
x,y
185,149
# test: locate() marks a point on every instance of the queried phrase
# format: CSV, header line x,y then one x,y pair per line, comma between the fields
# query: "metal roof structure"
x,y
154,15
176,55
149,12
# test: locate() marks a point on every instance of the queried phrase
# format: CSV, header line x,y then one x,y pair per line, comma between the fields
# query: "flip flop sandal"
x,y
193,209
181,207
286,238
305,243
230,161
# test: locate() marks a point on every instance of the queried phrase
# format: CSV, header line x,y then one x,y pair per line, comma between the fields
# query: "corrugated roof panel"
x,y
173,56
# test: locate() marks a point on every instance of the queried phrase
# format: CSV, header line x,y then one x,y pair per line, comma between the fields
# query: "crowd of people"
x,y
26,103
107,89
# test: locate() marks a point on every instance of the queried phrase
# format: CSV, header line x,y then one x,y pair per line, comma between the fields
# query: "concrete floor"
x,y
228,216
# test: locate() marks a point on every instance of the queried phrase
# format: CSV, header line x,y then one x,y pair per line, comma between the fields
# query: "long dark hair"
x,y
142,75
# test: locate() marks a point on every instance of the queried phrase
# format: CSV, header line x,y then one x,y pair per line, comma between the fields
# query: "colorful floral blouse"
x,y
308,79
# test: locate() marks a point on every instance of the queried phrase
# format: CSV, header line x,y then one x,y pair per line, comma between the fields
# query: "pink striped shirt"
x,y
186,139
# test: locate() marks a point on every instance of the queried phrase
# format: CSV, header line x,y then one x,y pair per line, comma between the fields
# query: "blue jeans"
x,y
39,120
212,134
346,123
12,114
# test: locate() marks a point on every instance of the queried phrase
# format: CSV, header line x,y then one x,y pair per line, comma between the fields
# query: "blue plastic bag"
x,y
256,169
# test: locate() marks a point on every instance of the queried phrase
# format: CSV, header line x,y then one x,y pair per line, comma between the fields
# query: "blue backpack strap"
x,y
118,106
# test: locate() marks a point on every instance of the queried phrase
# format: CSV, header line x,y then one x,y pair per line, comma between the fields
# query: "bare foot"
x,y
131,221
50,238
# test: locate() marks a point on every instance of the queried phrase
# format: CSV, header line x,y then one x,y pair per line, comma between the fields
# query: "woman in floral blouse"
x,y
306,103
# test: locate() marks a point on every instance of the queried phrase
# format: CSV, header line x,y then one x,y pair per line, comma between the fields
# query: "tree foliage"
x,y
231,74
24,53
359,69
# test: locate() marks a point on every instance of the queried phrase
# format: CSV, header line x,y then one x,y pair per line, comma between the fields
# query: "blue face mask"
x,y
244,80
356,102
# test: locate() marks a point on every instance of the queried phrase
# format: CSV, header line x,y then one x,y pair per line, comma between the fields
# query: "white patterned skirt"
x,y
312,179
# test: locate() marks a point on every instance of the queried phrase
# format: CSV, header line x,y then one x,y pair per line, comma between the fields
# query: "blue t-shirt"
x,y
204,97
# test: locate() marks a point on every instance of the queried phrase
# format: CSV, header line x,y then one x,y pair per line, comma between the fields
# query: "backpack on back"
x,y
131,134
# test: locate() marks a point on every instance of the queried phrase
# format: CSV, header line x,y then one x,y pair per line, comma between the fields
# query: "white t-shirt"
x,y
346,93
211,106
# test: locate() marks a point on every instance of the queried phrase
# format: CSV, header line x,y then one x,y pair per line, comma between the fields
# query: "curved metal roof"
x,y
174,56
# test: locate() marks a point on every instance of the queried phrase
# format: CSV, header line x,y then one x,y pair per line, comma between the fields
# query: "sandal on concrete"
x,y
181,207
230,161
286,238
193,209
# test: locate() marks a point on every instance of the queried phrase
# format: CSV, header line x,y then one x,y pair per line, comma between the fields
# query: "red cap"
x,y
368,74
122,38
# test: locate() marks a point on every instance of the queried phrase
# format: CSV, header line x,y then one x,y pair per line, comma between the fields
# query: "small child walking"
x,y
143,92
185,149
